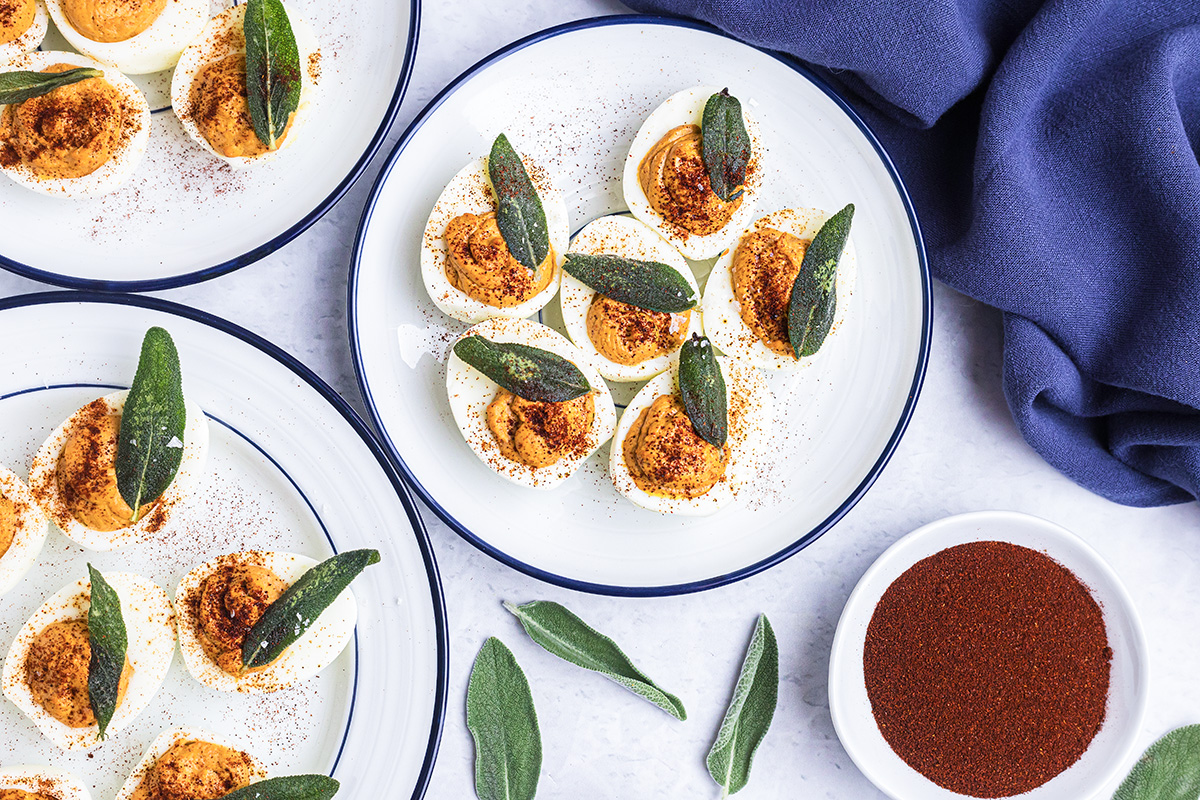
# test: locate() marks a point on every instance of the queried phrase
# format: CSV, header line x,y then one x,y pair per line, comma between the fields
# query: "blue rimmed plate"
x,y
574,96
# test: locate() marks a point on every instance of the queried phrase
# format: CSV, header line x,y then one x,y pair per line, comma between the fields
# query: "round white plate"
x,y
289,468
186,216
572,98
1129,682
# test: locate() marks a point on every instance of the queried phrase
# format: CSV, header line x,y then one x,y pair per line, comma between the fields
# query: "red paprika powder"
x,y
987,667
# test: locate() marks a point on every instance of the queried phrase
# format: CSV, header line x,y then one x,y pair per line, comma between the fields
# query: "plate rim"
x,y
356,424
265,249
666,589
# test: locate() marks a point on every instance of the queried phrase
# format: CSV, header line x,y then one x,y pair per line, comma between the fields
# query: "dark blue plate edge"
x,y
673,589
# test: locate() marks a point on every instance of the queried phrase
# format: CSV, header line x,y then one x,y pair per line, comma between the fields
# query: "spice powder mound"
x,y
987,667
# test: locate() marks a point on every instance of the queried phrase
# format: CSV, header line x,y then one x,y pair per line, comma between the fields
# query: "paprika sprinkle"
x,y
987,668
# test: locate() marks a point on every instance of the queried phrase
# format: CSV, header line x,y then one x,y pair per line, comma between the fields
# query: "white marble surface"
x,y
961,453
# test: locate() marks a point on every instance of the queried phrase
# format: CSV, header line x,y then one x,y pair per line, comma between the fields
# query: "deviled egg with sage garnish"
x,y
783,289
190,762
495,240
527,402
629,299
117,471
38,782
135,36
23,25
23,529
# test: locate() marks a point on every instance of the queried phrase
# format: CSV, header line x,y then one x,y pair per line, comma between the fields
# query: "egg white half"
x,y
130,148
687,108
50,781
153,50
629,238
471,392
316,649
31,535
43,480
222,37
750,419
150,628
168,739
470,192
31,39
722,312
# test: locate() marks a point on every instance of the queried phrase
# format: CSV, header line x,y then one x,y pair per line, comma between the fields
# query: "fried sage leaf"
x,y
651,285
724,145
286,620
750,711
1169,770
567,636
273,69
528,372
702,388
813,304
22,85
289,787
150,441
503,722
519,212
106,634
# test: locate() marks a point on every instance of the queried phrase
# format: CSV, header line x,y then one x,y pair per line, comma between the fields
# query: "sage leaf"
x,y
108,641
560,632
724,145
286,620
528,372
651,285
289,787
273,69
750,711
503,723
519,213
21,85
702,388
813,303
1169,770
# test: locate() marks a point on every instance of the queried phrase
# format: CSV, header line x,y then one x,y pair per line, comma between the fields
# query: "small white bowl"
x,y
1114,746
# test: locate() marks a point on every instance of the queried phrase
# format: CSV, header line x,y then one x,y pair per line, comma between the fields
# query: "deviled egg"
x,y
529,442
219,602
747,293
23,25
666,184
190,762
209,95
77,141
46,670
622,341
23,529
35,782
135,36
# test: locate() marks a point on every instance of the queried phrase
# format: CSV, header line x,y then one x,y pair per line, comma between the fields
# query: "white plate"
x,y
574,97
291,468
1129,683
185,216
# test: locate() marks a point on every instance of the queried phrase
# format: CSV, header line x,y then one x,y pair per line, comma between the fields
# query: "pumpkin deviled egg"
x,y
23,25
135,36
191,764
23,529
36,782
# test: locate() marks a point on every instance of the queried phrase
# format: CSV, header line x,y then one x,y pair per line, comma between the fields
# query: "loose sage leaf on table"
x,y
749,714
22,85
286,620
1169,770
503,722
273,69
702,388
519,212
651,285
813,303
528,372
567,636
724,145
108,640
288,787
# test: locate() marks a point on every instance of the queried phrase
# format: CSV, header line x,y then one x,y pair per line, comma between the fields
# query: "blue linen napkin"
x,y
1050,149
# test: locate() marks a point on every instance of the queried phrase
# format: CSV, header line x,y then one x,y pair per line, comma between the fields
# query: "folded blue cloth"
x,y
1050,149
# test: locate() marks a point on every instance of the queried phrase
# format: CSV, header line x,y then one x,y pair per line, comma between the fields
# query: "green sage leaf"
x,y
528,372
289,787
519,213
108,641
560,632
503,723
150,441
750,711
22,85
651,285
273,69
813,303
1169,770
286,620
702,388
724,145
